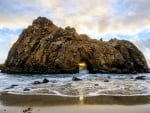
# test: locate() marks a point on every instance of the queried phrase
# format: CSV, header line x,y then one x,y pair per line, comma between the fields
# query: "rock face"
x,y
1,66
45,48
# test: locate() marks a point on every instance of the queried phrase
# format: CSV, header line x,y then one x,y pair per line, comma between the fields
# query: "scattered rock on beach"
x,y
26,89
96,84
106,80
36,82
28,110
45,80
74,78
12,86
140,78
131,77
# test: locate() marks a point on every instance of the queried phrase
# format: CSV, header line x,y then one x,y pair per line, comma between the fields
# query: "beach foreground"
x,y
77,109
12,103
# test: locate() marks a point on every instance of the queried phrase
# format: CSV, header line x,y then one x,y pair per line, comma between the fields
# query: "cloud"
x,y
15,14
97,18
104,16
128,17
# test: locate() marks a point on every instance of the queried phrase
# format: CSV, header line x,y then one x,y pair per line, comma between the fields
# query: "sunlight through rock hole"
x,y
83,68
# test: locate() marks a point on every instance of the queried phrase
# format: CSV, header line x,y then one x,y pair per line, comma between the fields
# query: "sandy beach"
x,y
77,109
12,103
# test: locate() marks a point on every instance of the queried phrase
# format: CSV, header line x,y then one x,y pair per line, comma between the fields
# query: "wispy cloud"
x,y
105,16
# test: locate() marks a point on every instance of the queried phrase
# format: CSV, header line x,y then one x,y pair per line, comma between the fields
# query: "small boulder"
x,y
36,82
106,80
96,84
74,78
26,89
12,86
140,78
45,80
131,78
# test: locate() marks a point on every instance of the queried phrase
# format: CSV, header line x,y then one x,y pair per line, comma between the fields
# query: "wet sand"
x,y
11,103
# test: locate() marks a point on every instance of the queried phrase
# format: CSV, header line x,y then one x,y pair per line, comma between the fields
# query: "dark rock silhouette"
x,y
106,80
96,84
1,66
140,78
12,86
36,82
74,78
45,48
40,82
45,80
26,89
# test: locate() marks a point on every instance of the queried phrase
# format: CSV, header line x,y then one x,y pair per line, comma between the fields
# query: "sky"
x,y
122,19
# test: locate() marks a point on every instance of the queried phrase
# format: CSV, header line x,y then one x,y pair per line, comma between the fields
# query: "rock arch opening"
x,y
83,67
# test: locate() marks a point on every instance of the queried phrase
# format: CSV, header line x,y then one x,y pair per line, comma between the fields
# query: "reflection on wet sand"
x,y
38,100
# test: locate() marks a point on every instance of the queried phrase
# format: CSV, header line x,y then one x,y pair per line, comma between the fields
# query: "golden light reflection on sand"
x,y
82,66
81,93
81,99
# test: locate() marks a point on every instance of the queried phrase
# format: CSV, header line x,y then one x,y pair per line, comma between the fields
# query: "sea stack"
x,y
44,47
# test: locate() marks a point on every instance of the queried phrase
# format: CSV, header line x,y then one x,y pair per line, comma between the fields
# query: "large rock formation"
x,y
45,48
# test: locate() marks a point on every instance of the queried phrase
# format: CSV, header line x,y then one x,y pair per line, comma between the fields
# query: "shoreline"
x,y
8,99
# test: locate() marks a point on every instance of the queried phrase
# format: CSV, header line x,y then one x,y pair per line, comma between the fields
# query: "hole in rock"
x,y
83,67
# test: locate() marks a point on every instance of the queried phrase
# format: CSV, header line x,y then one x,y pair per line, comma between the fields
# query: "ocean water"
x,y
62,84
